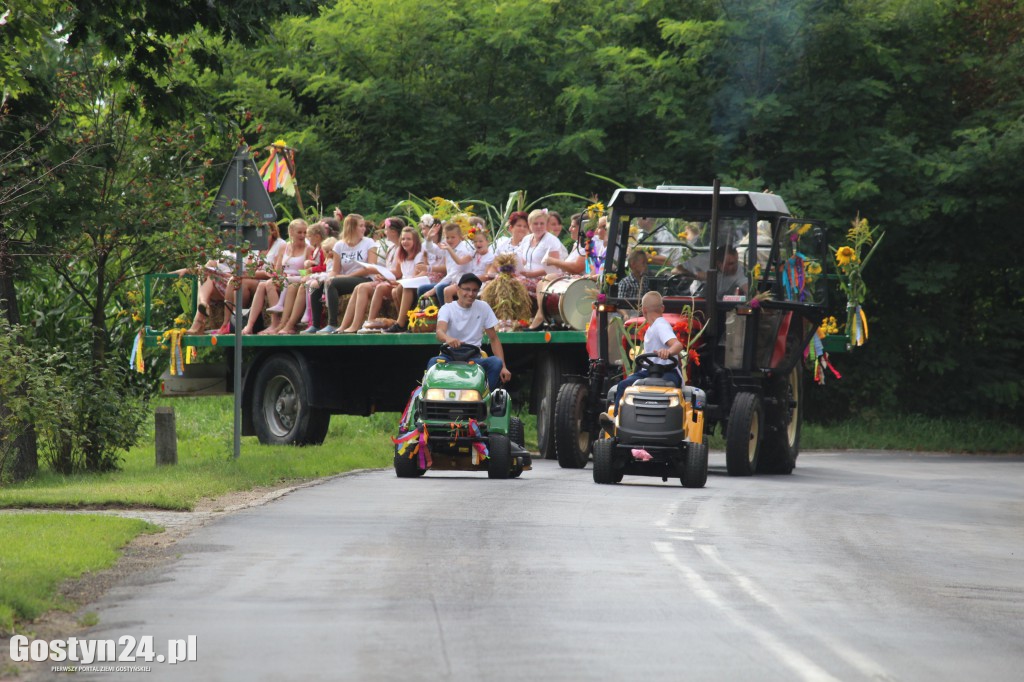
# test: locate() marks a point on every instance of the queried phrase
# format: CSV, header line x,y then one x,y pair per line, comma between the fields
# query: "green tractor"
x,y
454,422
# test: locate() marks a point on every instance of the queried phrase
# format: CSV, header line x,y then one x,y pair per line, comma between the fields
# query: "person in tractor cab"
x,y
659,340
464,321
731,276
634,285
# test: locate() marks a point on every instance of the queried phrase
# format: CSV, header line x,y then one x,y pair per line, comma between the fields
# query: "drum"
x,y
568,300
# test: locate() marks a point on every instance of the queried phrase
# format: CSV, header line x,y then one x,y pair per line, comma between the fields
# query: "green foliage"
x,y
33,394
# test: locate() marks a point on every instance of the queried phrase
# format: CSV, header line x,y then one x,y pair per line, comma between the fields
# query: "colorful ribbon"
x,y
177,367
136,361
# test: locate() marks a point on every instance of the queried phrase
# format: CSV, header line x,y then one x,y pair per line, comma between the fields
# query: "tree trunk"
x,y
26,454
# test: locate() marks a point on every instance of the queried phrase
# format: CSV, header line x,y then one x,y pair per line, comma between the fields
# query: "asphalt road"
x,y
859,566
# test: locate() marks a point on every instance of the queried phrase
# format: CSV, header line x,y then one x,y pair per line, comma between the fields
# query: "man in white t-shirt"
x,y
465,321
659,340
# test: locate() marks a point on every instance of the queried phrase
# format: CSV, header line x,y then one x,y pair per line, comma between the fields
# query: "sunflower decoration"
x,y
506,295
423,319
851,261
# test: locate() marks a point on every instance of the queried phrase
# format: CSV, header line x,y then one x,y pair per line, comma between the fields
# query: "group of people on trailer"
x,y
294,278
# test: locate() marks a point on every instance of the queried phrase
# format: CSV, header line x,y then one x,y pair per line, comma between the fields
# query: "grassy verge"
x,y
915,433
205,466
39,551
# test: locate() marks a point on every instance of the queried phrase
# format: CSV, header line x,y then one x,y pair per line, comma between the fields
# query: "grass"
x,y
915,433
205,466
40,551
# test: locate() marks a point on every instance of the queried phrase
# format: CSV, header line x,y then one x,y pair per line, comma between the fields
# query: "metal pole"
x,y
238,307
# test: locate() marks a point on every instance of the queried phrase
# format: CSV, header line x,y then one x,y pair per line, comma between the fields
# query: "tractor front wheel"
x,y
695,466
604,462
572,441
499,450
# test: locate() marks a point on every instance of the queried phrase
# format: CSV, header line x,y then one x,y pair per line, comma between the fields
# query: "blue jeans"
x,y
637,376
425,288
492,366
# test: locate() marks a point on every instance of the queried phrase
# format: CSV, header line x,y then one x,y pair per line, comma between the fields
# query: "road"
x,y
859,566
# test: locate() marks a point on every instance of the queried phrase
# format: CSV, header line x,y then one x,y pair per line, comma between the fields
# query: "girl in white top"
x,y
361,295
352,248
288,264
410,255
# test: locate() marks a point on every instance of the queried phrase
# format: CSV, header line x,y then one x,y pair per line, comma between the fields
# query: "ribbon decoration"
x,y
276,172
857,324
479,448
136,361
793,279
414,443
173,336
821,360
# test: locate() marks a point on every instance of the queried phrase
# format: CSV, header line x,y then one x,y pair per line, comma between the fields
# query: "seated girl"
x,y
289,264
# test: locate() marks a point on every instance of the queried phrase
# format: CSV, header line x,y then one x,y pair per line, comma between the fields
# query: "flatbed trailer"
x,y
292,384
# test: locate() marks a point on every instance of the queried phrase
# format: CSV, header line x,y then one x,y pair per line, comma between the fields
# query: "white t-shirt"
x,y
387,252
454,270
467,324
409,265
659,336
532,257
478,266
351,255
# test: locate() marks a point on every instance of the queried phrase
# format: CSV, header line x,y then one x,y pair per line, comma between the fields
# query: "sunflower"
x,y
845,255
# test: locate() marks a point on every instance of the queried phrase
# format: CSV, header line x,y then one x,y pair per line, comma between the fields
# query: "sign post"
x,y
244,204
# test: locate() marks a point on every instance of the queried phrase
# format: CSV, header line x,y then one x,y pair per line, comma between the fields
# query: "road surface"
x,y
859,566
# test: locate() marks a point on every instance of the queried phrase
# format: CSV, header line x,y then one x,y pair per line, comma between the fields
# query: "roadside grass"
x,y
39,551
916,433
205,465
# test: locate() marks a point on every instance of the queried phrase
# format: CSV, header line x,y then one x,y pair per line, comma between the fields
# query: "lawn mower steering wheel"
x,y
464,353
646,361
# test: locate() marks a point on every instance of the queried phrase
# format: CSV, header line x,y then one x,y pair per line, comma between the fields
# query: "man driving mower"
x,y
464,321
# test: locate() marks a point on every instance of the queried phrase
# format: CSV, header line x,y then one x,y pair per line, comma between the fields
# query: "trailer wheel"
x,y
743,435
499,463
406,467
783,417
281,411
694,467
604,462
572,441
546,383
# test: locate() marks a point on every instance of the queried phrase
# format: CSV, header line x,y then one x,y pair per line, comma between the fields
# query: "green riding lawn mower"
x,y
454,422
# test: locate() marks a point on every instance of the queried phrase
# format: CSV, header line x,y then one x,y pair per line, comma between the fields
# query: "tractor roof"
x,y
669,199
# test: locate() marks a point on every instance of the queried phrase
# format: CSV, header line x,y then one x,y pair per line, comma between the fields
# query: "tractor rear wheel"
x,y
546,384
572,441
783,418
743,435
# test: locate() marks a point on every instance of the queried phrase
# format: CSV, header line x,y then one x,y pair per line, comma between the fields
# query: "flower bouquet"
x,y
423,319
850,265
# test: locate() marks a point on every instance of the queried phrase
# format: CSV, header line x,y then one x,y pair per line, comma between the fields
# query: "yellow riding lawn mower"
x,y
658,430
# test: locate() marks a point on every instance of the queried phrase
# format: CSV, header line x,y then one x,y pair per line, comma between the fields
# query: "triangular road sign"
x,y
242,201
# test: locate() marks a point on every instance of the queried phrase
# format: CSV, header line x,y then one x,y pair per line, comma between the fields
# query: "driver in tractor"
x,y
659,340
463,322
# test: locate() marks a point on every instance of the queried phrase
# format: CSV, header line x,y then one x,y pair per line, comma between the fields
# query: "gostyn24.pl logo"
x,y
126,649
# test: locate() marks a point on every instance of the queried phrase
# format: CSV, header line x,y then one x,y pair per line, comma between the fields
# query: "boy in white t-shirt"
x,y
659,340
465,321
